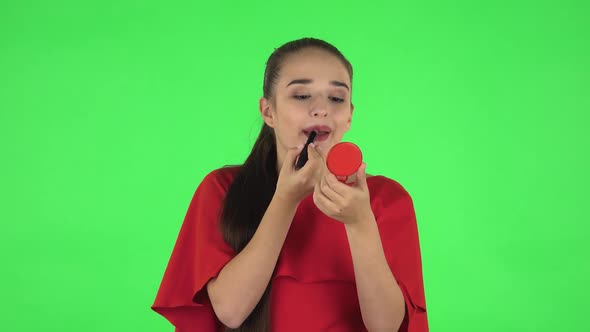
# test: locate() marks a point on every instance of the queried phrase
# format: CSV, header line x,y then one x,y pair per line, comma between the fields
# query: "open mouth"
x,y
318,132
320,135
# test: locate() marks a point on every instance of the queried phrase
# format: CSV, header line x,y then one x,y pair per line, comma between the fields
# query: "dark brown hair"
x,y
253,187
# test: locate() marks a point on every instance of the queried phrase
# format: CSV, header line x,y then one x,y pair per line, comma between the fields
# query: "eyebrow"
x,y
307,81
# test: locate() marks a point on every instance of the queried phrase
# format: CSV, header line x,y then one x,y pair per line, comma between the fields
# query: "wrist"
x,y
361,223
284,201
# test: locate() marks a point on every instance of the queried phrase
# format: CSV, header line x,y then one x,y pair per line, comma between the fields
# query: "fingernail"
x,y
299,146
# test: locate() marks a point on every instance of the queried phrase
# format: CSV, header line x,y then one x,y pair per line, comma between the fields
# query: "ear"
x,y
266,111
348,123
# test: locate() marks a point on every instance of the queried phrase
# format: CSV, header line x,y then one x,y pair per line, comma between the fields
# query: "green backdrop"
x,y
112,112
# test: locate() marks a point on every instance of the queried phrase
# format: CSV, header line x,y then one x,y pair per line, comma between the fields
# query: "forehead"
x,y
315,64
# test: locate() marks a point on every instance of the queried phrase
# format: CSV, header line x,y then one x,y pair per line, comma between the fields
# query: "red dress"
x,y
313,287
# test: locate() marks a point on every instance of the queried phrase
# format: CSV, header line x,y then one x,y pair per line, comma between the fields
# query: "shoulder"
x,y
387,189
219,179
389,199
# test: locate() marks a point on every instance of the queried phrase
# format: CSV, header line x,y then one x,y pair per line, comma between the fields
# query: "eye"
x,y
336,99
301,97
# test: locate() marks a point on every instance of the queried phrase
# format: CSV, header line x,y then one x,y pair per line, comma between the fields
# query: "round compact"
x,y
344,159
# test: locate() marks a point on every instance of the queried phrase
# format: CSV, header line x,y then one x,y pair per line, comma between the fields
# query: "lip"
x,y
320,137
318,129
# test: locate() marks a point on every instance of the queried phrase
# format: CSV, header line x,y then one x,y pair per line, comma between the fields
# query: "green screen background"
x,y
112,112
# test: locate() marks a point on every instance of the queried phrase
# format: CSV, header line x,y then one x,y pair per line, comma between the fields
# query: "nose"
x,y
317,113
319,109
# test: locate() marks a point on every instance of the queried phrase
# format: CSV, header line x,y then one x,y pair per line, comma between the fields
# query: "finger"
x,y
317,161
328,191
312,158
309,163
361,177
296,151
321,151
339,187
325,204
292,155
311,152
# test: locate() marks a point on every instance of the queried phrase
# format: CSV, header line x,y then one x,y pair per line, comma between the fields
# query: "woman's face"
x,y
312,93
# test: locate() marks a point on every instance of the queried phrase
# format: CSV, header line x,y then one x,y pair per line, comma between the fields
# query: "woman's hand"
x,y
294,185
347,204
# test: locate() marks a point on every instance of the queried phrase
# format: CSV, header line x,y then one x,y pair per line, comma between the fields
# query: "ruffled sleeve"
x,y
198,255
396,220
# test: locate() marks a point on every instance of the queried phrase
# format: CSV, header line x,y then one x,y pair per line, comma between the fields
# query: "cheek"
x,y
343,120
289,127
294,118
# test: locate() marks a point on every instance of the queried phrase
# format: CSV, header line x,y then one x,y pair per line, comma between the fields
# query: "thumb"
x,y
292,154
361,177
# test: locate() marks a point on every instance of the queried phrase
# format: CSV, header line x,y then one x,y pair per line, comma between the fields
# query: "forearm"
x,y
380,298
241,283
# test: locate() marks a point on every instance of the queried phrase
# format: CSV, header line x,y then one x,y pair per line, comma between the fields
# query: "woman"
x,y
267,247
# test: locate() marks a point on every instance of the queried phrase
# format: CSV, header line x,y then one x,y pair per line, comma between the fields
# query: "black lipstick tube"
x,y
302,159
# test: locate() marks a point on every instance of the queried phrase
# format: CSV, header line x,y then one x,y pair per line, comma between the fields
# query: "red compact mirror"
x,y
343,160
